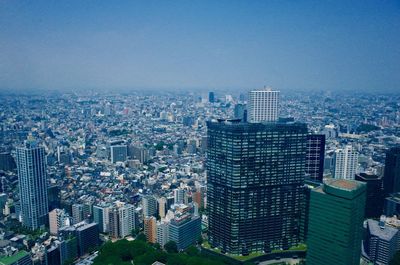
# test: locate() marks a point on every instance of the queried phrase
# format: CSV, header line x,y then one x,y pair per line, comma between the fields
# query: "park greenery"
x,y
139,252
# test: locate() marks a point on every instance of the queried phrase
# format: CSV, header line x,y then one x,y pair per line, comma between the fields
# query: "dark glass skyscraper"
x,y
315,156
31,164
375,196
391,182
255,185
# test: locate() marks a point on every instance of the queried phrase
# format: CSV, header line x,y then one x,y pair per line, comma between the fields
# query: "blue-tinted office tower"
x,y
31,164
211,97
315,156
255,185
185,230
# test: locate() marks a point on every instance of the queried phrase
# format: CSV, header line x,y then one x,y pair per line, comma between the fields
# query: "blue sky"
x,y
330,45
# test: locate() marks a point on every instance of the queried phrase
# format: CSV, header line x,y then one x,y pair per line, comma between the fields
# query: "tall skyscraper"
x,y
31,164
263,105
345,162
375,197
392,171
211,97
255,185
335,226
315,156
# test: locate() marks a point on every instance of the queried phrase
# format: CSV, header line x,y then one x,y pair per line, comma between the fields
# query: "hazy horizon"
x,y
200,45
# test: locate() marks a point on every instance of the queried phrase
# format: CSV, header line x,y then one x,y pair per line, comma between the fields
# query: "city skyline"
x,y
199,132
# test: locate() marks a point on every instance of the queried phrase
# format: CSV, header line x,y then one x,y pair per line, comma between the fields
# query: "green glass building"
x,y
336,223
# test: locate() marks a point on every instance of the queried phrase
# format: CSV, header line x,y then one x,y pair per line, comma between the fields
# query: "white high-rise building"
x,y
149,205
179,195
162,232
346,162
32,177
126,215
263,105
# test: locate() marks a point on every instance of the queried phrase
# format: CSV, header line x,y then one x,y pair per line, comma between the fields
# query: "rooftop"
x,y
386,233
14,258
343,184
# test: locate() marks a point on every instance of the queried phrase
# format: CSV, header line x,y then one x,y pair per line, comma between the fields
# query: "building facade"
x,y
375,196
150,229
118,153
315,157
185,230
381,242
263,105
32,177
255,185
58,218
101,217
149,204
335,227
345,163
392,171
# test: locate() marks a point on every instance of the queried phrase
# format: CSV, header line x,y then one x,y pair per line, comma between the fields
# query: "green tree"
x,y
200,240
396,259
192,251
171,247
141,237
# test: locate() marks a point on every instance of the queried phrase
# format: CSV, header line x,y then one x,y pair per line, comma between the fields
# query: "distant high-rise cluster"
x,y
244,176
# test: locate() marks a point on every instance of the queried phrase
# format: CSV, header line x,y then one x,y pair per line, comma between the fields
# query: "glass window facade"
x,y
255,185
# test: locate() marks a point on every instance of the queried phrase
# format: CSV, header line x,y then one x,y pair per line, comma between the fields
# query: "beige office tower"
x,y
263,105
57,219
150,229
162,206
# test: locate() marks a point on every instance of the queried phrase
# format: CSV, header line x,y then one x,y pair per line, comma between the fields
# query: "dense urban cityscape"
x,y
203,132
257,178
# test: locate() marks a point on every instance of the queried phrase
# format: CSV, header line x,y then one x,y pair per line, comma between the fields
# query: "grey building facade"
x,y
32,177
